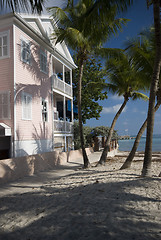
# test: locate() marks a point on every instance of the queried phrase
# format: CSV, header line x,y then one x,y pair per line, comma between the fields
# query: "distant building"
x,y
125,137
36,99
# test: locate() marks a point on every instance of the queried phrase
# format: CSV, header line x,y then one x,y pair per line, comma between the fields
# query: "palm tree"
x,y
146,171
143,56
125,81
128,161
17,5
84,27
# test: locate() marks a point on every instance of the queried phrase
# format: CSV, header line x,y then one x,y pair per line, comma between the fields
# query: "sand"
x,y
95,204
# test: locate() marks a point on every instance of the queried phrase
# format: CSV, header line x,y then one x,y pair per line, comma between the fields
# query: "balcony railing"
x,y
63,126
64,87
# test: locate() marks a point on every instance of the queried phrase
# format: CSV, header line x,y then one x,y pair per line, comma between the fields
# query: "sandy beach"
x,y
76,204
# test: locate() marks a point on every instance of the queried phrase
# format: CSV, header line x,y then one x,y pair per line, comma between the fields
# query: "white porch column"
x,y
64,110
65,143
72,114
64,75
70,77
64,113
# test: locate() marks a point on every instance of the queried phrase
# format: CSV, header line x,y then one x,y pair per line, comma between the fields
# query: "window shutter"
x,y
5,105
25,52
5,53
43,61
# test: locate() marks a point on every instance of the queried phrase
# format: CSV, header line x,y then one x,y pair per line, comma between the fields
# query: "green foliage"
x,y
86,131
142,49
92,91
84,25
26,5
103,131
89,133
125,79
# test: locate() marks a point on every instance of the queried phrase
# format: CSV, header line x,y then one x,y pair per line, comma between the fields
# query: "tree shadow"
x,y
39,87
39,136
40,79
59,210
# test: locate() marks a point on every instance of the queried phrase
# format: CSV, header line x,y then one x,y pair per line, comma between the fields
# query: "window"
x,y
26,106
25,52
4,105
43,61
4,44
44,111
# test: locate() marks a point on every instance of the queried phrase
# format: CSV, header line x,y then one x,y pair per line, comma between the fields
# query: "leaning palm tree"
x,y
27,5
143,55
146,171
128,161
125,81
84,26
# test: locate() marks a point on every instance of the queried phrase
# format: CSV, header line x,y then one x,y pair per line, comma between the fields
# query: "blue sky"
x,y
136,111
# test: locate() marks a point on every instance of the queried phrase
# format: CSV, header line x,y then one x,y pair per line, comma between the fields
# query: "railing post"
x,y
64,77
64,113
72,115
61,85
65,143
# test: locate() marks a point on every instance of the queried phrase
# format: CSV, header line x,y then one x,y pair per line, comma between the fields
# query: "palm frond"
x,y
58,14
123,74
121,5
93,25
140,54
26,5
138,95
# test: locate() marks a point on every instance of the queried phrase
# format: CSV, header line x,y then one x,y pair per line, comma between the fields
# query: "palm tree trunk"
x,y
146,171
108,140
127,163
85,158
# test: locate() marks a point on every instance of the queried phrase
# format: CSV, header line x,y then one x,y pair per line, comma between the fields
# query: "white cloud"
x,y
143,112
117,98
136,110
113,109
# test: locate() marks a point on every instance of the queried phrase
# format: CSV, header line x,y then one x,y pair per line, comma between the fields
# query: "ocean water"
x,y
127,144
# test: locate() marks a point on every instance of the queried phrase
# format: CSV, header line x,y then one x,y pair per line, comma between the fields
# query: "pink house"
x,y
36,102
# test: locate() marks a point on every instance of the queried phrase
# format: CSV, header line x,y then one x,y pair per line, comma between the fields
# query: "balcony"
x,y
61,86
61,126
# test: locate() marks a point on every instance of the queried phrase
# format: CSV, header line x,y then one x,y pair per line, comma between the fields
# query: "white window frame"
x,y
43,64
5,105
44,111
26,108
25,46
5,34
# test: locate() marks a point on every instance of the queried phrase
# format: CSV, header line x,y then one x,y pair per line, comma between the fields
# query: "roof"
x,y
41,27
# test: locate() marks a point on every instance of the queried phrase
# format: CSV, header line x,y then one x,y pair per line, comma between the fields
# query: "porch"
x,y
61,86
61,78
61,81
63,126
62,114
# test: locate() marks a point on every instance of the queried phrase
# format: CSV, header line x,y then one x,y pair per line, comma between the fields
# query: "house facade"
x,y
36,101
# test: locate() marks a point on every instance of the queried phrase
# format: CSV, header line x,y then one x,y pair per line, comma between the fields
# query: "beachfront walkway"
x,y
94,204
